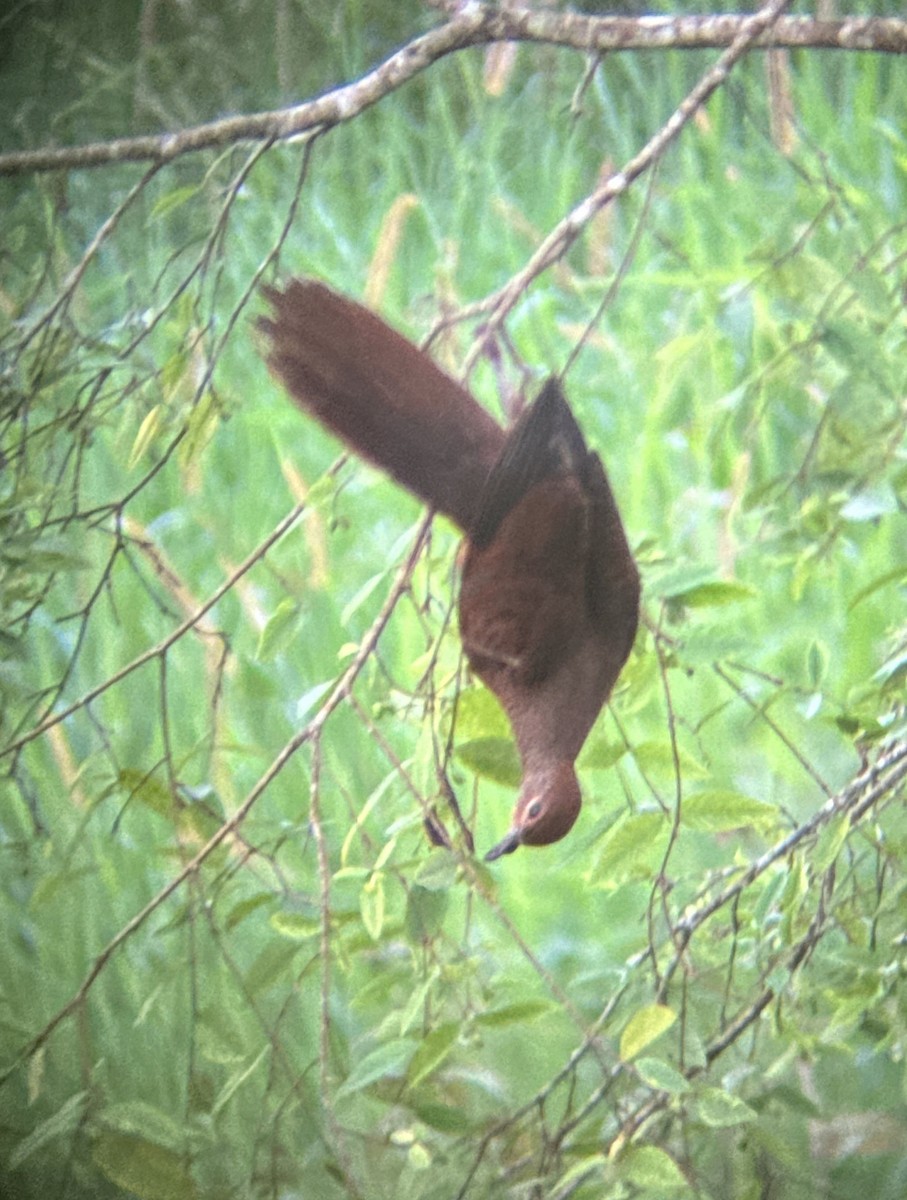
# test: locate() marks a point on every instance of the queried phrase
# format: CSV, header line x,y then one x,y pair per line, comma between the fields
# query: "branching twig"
x,y
473,25
565,233
872,786
163,646
229,827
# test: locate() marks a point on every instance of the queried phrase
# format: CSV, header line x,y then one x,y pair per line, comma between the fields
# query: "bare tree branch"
x,y
475,25
565,233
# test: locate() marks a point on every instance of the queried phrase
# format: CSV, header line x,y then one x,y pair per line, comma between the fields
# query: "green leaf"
x,y
480,715
599,755
279,631
433,1050
691,587
345,874
442,1117
491,758
219,1036
311,697
39,551
831,839
659,757
296,925
717,811
715,593
418,1157
143,1168
767,901
795,889
361,597
631,842
50,885
273,964
718,1108
152,792
12,647
64,1121
201,426
817,659
644,1027
856,348
652,1168
236,1080
592,1164
384,855
148,431
707,643
415,1009
36,1065
516,1014
371,905
388,1061
425,912
172,200
661,1075
135,1116
177,374
438,872
245,908
322,490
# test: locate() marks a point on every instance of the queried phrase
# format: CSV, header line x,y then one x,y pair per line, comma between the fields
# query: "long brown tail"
x,y
384,397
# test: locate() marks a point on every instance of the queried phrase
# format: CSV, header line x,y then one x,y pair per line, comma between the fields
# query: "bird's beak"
x,y
506,845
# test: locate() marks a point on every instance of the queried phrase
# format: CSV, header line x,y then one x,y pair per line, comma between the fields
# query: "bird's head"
x,y
546,809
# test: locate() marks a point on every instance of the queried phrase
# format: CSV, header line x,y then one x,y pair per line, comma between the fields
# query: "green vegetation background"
x,y
392,1020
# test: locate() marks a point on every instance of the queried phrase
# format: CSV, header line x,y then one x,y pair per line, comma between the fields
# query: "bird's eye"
x,y
534,810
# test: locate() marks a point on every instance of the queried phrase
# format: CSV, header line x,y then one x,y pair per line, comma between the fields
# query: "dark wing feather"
x,y
544,443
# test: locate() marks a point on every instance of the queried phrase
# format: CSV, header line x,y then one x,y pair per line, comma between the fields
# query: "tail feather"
x,y
382,396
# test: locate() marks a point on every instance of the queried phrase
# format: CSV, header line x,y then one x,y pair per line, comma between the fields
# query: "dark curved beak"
x,y
506,845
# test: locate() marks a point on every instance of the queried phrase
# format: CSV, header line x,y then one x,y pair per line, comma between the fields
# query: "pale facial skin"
x,y
546,809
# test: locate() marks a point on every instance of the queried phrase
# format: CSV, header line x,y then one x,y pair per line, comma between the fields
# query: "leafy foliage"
x,y
232,690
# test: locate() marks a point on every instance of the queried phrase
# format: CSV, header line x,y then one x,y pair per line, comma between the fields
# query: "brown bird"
x,y
549,595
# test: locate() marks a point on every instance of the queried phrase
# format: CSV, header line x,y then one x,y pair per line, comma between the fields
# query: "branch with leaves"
x,y
230,714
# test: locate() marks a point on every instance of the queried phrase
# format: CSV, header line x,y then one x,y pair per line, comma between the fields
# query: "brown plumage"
x,y
550,593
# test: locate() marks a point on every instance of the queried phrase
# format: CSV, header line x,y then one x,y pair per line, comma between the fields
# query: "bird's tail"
x,y
382,396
